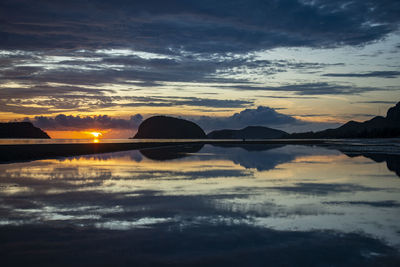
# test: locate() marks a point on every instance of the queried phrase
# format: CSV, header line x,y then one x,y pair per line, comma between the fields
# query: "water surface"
x,y
205,205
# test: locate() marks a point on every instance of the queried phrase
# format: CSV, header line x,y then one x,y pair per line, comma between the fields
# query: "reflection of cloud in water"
x,y
262,157
378,204
131,154
273,202
323,189
392,160
198,245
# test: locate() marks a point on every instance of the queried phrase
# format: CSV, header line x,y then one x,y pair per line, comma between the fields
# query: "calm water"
x,y
22,141
251,205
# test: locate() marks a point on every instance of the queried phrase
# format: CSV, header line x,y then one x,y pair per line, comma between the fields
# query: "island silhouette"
x,y
166,127
21,130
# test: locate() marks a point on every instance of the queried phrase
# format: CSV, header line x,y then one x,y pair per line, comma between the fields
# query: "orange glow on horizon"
x,y
87,134
96,134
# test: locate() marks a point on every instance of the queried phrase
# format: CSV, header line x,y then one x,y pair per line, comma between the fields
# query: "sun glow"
x,y
96,134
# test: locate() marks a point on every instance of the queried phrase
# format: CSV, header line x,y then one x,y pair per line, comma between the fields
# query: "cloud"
x,y
324,189
58,57
259,116
377,102
195,26
372,74
133,68
375,204
47,90
317,88
169,101
70,123
39,99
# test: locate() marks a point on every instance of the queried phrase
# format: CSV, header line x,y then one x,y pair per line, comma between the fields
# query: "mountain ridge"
x,y
377,127
249,132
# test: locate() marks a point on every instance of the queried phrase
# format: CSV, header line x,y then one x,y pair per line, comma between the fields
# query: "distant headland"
x,y
377,127
21,130
249,132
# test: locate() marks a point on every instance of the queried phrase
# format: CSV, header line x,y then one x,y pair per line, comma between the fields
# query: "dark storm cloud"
x,y
372,74
64,122
196,26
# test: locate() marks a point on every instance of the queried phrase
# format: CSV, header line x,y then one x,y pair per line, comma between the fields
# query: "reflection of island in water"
x,y
392,160
260,157
170,152
221,206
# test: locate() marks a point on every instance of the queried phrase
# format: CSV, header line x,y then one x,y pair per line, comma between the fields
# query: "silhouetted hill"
x,y
21,130
250,132
164,127
378,127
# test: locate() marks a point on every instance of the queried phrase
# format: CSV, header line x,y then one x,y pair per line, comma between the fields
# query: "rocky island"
x,y
165,127
21,130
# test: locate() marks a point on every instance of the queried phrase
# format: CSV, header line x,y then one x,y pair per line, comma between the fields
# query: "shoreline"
x,y
26,152
12,153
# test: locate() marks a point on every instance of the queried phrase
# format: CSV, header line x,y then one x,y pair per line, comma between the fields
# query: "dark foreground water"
x,y
254,205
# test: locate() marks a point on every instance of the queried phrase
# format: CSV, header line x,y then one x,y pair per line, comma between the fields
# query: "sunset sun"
x,y
95,134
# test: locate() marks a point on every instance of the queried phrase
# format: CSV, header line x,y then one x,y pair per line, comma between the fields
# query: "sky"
x,y
76,66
